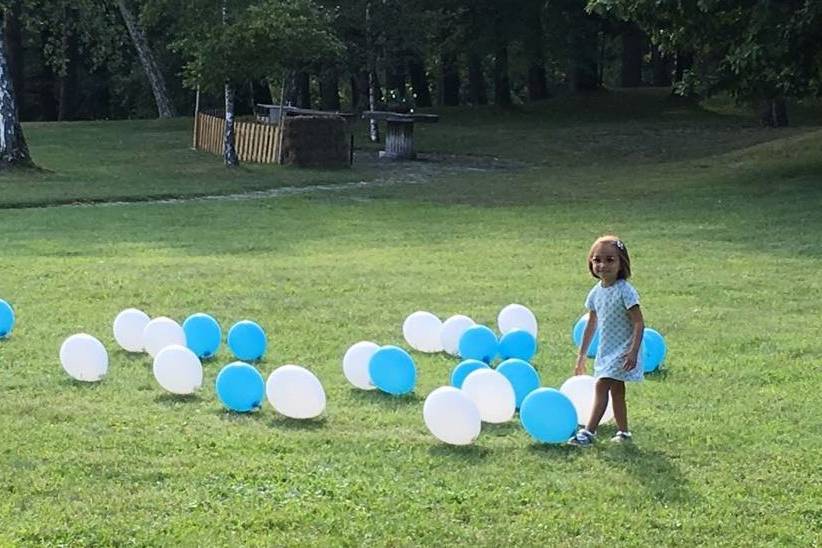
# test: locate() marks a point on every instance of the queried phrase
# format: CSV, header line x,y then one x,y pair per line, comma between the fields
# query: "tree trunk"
x,y
773,112
584,67
14,52
476,80
373,128
661,67
165,109
13,149
535,50
302,85
329,89
450,87
419,82
684,61
359,91
229,152
502,84
633,42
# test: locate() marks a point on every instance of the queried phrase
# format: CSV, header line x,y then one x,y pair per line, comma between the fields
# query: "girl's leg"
x,y
600,403
620,408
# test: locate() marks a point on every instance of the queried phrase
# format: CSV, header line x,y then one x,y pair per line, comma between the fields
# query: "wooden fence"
x,y
254,142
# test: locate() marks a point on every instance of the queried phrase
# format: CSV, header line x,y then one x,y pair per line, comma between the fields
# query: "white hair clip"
x,y
620,245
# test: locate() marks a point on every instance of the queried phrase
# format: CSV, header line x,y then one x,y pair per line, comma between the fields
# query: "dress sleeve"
x,y
630,297
589,300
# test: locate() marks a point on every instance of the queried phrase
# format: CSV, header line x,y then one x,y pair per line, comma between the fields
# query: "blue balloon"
x,y
392,370
203,335
240,387
518,344
523,377
6,318
548,416
247,340
465,368
579,330
653,349
478,342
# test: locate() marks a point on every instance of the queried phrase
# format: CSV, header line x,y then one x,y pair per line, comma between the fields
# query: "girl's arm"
x,y
590,329
636,337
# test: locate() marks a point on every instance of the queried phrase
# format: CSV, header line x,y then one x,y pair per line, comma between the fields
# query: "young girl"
x,y
613,304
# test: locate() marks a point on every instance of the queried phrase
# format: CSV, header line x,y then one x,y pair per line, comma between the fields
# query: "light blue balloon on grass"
x,y
392,370
518,343
203,335
246,339
653,349
478,342
6,319
579,331
240,387
522,376
465,368
548,416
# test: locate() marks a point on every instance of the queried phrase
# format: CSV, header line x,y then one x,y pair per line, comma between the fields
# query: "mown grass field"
x,y
723,222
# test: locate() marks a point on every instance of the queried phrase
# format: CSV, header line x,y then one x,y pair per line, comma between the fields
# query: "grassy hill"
x,y
722,221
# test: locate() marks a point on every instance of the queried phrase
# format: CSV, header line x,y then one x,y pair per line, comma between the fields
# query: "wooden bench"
x,y
399,134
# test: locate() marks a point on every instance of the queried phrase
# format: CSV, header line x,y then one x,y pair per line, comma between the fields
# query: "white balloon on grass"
x,y
580,389
355,364
451,416
178,370
452,330
84,358
161,332
516,316
295,392
422,331
492,393
128,329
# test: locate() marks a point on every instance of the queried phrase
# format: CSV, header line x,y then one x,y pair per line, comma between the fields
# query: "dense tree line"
x,y
92,59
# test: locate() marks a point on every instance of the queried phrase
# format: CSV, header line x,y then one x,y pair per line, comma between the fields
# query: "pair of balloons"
x,y
292,390
479,342
6,319
135,331
369,366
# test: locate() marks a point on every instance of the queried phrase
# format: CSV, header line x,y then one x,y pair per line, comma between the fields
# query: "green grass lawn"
x,y
723,222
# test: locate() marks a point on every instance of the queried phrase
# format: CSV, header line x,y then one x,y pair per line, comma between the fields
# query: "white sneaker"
x,y
583,438
622,437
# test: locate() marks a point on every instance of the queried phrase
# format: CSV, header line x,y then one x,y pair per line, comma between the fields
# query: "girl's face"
x,y
606,263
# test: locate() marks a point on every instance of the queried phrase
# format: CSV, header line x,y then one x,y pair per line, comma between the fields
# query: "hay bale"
x,y
316,141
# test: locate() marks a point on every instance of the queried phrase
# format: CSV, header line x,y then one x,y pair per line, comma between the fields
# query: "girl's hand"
x,y
580,368
630,362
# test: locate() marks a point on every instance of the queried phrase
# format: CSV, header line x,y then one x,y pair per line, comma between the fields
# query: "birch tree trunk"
x,y
229,152
158,84
373,129
13,149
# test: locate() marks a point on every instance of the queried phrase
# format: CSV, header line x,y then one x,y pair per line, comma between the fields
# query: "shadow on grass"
x,y
382,399
560,451
464,453
168,399
286,423
660,374
502,429
652,469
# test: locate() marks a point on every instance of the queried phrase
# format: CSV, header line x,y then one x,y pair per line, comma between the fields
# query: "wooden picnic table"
x,y
399,134
271,113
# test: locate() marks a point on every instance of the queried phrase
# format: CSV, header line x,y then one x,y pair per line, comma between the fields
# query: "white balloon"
x,y
422,331
580,389
452,330
451,416
128,329
178,370
161,332
84,357
492,393
355,364
516,316
295,392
